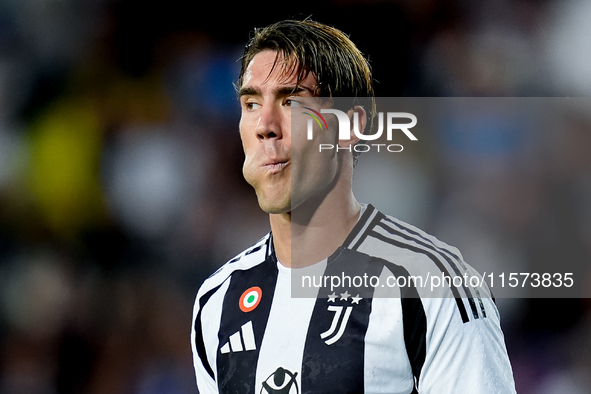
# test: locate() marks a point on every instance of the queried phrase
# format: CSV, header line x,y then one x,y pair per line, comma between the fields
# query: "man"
x,y
250,335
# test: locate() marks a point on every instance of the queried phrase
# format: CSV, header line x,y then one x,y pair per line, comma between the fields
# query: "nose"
x,y
270,123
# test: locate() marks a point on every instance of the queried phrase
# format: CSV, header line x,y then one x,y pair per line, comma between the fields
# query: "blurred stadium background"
x,y
121,186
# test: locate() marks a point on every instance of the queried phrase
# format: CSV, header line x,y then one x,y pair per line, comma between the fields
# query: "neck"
x,y
314,230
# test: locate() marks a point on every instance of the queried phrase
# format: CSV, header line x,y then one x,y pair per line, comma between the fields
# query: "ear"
x,y
358,121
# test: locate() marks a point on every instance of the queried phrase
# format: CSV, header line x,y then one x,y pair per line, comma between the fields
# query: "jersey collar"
x,y
368,214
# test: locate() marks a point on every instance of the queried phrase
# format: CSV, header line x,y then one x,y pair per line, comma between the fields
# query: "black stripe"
x,y
454,291
414,322
235,259
413,232
339,367
271,255
442,250
240,256
415,333
258,246
199,343
255,249
372,225
237,370
451,263
359,225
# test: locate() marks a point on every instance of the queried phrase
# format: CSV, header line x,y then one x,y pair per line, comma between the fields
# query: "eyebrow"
x,y
281,91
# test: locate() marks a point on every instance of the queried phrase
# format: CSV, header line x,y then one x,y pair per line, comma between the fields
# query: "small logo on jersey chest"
x,y
250,299
243,336
282,381
336,330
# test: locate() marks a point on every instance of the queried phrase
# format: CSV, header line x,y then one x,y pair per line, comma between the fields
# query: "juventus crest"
x,y
340,318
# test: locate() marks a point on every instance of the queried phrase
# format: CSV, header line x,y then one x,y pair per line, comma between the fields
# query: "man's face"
x,y
270,104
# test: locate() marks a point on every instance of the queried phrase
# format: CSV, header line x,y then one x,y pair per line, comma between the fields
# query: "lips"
x,y
275,165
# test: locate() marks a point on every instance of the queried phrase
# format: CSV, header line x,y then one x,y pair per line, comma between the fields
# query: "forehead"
x,y
270,67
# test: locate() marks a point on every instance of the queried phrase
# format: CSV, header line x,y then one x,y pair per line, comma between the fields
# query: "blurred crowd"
x,y
121,185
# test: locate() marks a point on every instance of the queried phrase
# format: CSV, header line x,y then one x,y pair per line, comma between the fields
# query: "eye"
x,y
292,103
251,106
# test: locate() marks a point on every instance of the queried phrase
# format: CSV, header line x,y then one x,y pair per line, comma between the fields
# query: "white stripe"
x,y
270,246
386,367
235,342
225,349
248,336
285,333
211,317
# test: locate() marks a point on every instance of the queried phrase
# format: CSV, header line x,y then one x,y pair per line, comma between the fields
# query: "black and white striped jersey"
x,y
251,336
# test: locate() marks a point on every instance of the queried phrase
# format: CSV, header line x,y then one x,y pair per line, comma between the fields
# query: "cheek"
x,y
248,155
249,173
244,137
247,166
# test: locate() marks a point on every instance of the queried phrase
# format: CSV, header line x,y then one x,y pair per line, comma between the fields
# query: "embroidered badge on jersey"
x,y
250,299
338,312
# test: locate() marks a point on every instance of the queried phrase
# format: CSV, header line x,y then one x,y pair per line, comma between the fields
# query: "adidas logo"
x,y
244,336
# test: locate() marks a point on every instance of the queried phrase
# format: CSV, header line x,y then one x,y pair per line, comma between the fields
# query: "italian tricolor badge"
x,y
250,299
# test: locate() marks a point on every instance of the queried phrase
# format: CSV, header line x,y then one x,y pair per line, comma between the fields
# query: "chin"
x,y
274,205
273,209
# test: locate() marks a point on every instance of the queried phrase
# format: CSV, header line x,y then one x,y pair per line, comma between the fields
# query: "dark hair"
x,y
311,47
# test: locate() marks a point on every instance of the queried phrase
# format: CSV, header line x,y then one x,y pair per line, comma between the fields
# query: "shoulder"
x,y
385,234
439,269
247,259
207,310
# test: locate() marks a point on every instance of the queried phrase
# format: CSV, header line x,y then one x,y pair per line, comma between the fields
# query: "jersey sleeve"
x,y
464,357
203,371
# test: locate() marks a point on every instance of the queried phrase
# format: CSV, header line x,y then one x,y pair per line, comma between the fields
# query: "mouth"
x,y
275,165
